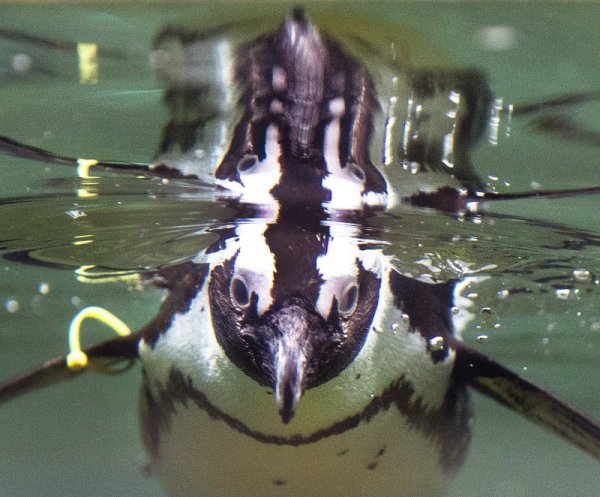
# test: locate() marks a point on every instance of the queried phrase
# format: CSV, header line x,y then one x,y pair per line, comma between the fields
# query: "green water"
x,y
81,438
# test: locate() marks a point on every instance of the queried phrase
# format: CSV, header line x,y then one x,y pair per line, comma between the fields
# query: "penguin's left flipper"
x,y
494,380
102,357
14,148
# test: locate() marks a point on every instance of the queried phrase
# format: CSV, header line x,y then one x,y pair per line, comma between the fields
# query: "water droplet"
x,y
75,213
502,294
21,63
582,275
497,38
436,344
414,167
43,288
11,305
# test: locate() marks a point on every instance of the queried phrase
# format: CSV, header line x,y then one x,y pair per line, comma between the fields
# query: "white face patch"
x,y
255,263
346,188
258,179
338,266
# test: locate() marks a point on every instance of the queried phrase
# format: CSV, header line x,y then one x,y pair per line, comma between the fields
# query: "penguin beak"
x,y
290,359
289,381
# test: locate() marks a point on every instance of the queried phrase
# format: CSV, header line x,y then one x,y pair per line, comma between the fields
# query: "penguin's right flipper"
x,y
494,380
102,357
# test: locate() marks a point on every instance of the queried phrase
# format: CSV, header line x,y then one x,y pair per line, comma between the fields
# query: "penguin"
x,y
292,356
302,362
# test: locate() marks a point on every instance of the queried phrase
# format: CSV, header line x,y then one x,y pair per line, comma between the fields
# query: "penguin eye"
x,y
239,292
356,172
247,164
348,300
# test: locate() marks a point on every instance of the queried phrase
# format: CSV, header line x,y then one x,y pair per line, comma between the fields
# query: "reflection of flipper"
x,y
523,397
59,45
564,101
567,128
549,121
12,147
101,357
451,200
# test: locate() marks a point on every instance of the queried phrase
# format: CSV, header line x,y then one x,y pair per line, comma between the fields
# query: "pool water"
x,y
83,436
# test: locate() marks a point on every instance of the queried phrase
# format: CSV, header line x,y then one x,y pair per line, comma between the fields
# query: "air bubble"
x,y
482,338
43,288
562,293
11,305
21,63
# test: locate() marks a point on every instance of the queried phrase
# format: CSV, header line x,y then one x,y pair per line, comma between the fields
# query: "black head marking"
x,y
428,307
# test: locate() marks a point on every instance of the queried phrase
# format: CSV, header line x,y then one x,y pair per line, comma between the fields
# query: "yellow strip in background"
x,y
88,63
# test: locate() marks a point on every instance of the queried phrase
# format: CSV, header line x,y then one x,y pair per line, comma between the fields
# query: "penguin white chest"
x,y
205,457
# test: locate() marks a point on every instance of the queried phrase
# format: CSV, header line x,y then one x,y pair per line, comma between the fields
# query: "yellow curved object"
x,y
83,167
77,359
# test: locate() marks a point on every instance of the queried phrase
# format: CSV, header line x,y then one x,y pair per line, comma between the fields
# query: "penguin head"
x,y
300,326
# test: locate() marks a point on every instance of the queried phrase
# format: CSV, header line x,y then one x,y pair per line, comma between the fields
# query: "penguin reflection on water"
x,y
290,357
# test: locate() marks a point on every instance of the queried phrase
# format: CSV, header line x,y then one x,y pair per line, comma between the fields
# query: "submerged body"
x,y
392,419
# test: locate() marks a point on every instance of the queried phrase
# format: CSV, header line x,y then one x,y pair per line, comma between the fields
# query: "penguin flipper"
x,y
102,357
14,148
506,387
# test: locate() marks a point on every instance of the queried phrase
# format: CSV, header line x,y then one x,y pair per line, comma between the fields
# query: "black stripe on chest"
x,y
447,426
